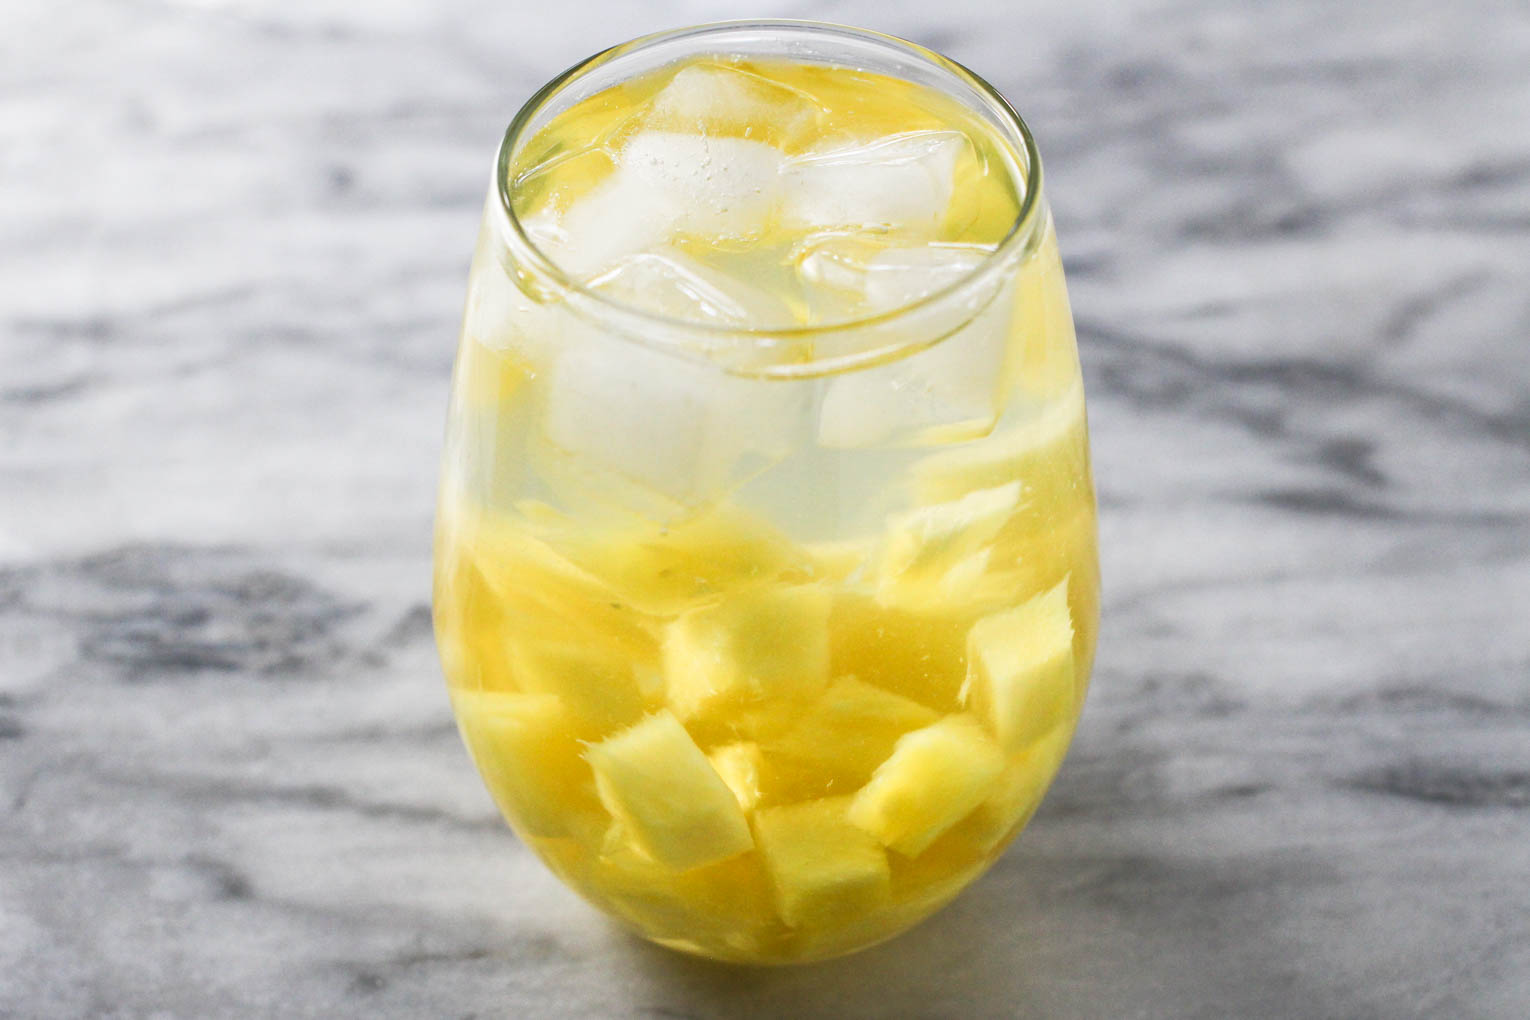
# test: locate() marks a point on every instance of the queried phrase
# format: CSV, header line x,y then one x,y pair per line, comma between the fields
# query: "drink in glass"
x,y
766,584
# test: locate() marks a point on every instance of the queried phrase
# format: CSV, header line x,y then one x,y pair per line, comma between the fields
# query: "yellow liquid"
x,y
763,668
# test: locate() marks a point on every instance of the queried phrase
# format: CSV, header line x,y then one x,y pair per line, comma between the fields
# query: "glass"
x,y
766,611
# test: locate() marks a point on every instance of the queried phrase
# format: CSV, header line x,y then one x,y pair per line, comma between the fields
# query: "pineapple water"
x,y
765,582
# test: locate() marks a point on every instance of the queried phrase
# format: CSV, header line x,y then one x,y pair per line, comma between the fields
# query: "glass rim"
x,y
639,321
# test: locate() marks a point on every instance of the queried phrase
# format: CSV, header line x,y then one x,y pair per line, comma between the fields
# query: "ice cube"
x,y
723,101
900,276
720,187
879,276
901,181
683,430
950,391
671,283
664,184
500,314
619,217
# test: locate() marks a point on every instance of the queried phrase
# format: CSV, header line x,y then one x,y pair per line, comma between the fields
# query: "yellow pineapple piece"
x,y
725,905
926,546
740,765
471,627
1049,454
1017,793
598,688
850,730
525,747
1020,669
920,655
823,870
924,884
1031,556
839,560
934,777
758,646
657,783
548,598
567,857
760,779
665,570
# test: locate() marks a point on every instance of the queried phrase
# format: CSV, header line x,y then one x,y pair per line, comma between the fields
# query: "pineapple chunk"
x,y
471,628
722,906
933,778
525,747
656,782
598,688
1020,669
1050,452
1032,555
740,766
567,857
851,730
926,546
767,644
823,870
548,598
1017,793
841,559
665,571
922,656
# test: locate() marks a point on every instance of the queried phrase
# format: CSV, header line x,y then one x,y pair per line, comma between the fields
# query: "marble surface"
x,y
233,252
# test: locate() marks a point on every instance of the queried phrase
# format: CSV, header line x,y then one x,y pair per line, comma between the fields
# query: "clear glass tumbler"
x,y
766,633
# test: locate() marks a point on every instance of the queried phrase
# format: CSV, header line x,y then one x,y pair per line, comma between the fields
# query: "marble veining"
x,y
234,249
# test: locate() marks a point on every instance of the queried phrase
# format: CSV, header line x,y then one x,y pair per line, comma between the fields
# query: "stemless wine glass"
x,y
766,584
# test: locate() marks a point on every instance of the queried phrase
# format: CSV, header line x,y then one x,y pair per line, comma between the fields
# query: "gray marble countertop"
x,y
235,237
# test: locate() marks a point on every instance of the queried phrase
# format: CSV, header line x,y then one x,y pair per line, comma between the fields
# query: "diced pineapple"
x,y
755,647
1018,792
1049,453
850,730
925,547
1020,669
598,687
657,783
569,858
666,570
740,766
839,560
934,776
823,870
524,744
922,656
548,598
725,905
1031,555
471,628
